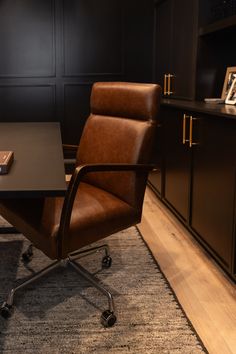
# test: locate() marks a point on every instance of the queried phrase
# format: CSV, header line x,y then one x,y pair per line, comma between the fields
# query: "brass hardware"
x,y
165,78
168,92
191,143
167,84
170,76
190,140
184,127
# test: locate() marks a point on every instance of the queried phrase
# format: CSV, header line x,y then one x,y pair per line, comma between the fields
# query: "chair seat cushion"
x,y
96,214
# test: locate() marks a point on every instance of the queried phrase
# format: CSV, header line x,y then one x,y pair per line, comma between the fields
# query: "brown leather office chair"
x,y
106,191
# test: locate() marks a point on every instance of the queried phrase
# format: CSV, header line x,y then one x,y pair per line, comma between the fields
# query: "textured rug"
x,y
60,314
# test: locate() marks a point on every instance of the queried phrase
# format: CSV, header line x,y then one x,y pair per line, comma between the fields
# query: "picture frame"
x,y
229,78
231,96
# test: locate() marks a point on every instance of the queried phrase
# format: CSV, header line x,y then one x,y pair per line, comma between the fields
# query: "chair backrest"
x,y
120,129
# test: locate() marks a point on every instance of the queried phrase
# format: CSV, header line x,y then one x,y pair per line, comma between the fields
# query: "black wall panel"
x,y
76,98
27,103
93,37
27,38
51,51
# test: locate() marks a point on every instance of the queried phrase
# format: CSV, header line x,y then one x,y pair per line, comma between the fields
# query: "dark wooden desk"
x,y
38,166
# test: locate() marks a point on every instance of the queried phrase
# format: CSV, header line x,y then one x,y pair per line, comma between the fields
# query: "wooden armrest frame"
x,y
69,147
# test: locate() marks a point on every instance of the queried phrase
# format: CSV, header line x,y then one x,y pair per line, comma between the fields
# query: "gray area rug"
x,y
60,314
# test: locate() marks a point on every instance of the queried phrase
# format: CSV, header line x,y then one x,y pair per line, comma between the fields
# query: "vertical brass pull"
x,y
167,84
165,79
190,131
184,128
168,89
191,143
170,78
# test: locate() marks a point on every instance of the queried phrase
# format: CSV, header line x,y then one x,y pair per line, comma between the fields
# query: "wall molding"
x,y
52,72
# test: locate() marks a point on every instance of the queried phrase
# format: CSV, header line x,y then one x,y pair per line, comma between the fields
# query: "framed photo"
x,y
229,78
231,96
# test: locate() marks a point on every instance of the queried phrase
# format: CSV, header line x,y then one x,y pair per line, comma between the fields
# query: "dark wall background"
x,y
53,50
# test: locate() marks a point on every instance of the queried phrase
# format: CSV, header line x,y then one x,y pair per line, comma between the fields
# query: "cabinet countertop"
x,y
223,110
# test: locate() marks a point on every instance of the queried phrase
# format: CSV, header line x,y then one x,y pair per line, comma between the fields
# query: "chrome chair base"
x,y
108,317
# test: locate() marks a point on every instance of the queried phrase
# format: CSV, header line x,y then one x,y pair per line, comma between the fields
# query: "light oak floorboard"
x,y
206,294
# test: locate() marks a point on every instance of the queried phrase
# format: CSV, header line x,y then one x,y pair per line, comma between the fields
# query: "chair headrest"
x,y
126,99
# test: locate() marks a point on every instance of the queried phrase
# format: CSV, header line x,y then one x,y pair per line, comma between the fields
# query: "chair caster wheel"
x,y
106,262
108,319
5,310
27,255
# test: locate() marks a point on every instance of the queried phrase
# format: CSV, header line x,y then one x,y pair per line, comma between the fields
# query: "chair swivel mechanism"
x,y
106,191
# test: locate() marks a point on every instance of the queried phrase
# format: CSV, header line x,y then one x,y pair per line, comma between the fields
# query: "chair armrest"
x,y
112,167
69,147
76,178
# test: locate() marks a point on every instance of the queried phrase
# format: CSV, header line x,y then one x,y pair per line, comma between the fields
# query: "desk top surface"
x,y
38,166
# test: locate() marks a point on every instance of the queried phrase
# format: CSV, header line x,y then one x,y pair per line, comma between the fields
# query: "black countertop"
x,y
224,110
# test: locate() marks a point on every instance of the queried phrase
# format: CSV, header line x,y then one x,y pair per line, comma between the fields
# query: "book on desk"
x,y
6,159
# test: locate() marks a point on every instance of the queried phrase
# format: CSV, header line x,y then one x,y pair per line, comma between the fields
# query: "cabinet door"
x,y
175,45
155,177
177,157
183,49
163,39
213,183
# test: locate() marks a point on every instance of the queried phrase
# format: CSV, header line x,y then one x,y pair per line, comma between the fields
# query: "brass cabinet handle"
x,y
168,89
167,84
184,127
165,79
190,140
170,77
191,143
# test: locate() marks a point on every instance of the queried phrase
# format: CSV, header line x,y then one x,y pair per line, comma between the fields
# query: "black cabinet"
x,y
177,162
213,185
155,176
162,41
216,33
193,48
198,172
175,47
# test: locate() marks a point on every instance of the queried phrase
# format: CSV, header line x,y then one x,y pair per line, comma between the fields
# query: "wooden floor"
x,y
205,293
